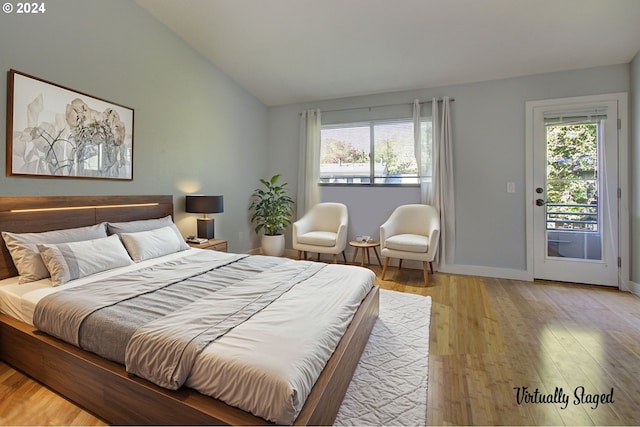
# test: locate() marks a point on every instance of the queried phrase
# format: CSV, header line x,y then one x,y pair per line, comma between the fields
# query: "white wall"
x,y
195,129
489,151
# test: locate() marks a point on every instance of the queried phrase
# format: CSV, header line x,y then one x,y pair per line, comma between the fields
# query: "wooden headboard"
x,y
38,214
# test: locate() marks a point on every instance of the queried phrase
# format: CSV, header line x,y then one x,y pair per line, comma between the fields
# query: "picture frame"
x,y
54,131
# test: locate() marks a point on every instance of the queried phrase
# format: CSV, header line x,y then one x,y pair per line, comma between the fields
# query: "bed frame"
x,y
105,388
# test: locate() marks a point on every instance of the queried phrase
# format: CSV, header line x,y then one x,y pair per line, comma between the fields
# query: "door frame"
x,y
623,178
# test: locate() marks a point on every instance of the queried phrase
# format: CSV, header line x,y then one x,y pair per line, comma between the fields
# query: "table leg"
x,y
375,250
362,257
355,253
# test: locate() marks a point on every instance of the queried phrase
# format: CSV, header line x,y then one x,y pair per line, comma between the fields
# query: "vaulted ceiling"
x,y
287,51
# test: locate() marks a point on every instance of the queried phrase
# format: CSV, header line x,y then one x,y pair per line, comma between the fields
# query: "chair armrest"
x,y
341,238
387,230
434,240
303,225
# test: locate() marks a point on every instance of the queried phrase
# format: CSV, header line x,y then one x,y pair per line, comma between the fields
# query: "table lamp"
x,y
205,205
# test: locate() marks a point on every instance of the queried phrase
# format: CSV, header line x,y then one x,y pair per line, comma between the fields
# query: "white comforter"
x,y
267,365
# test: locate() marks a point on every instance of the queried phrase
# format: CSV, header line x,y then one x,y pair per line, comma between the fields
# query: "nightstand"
x,y
211,244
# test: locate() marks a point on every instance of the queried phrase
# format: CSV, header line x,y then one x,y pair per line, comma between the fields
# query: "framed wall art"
x,y
53,131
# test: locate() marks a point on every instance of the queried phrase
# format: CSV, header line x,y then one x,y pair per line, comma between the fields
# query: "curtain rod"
x,y
377,106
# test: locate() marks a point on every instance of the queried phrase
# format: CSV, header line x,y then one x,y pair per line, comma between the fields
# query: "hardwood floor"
x,y
26,402
489,339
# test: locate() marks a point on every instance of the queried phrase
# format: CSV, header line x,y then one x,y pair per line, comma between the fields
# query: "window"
x,y
572,177
376,152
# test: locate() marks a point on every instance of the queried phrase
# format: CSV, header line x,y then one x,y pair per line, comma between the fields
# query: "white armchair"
x,y
411,232
323,230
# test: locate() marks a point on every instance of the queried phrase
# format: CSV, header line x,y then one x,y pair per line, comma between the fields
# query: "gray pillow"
x,y
146,225
24,250
152,244
70,261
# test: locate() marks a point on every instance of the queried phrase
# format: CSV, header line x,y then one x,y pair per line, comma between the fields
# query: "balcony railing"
x,y
565,216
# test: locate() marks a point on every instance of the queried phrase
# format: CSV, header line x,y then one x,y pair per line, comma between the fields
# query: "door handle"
x,y
540,202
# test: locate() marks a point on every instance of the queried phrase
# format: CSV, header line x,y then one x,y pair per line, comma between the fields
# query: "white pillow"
x,y
25,254
69,261
153,243
145,225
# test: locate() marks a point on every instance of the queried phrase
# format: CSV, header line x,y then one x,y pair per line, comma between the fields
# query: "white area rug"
x,y
389,386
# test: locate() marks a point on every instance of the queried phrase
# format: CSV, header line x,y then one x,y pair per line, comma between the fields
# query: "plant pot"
x,y
273,245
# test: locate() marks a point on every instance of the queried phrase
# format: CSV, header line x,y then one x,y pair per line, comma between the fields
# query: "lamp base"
x,y
205,228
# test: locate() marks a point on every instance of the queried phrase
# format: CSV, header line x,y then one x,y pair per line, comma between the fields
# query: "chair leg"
x,y
299,254
335,258
400,264
426,273
431,266
318,259
386,264
344,256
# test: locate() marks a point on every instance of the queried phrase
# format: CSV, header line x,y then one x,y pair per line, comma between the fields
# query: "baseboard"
x,y
634,287
465,270
472,270
476,270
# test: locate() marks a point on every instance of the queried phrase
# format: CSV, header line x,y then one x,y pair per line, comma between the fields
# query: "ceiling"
x,y
289,51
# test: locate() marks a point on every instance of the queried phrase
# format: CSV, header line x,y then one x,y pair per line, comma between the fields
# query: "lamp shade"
x,y
205,204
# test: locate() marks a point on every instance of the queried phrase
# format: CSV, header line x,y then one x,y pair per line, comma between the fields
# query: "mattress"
x,y
266,365
19,301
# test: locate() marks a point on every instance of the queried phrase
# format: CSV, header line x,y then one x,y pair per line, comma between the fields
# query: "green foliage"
x,y
572,164
386,152
336,151
572,160
272,207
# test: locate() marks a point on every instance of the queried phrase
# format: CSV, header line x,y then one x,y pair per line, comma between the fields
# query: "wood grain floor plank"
x,y
25,403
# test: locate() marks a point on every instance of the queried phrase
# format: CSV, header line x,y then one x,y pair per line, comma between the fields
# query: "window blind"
x,y
593,115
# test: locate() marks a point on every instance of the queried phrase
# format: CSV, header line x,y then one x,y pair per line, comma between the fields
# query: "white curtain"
x,y
308,161
422,150
443,196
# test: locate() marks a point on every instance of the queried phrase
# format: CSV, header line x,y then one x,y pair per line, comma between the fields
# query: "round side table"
x,y
365,247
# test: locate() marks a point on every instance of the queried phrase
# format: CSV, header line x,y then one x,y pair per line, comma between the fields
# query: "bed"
x,y
105,388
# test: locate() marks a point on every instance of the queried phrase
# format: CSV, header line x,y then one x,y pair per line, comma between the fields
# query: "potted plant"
x,y
272,209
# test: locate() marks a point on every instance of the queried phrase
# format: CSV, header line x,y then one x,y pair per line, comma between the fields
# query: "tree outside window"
x,y
375,152
572,181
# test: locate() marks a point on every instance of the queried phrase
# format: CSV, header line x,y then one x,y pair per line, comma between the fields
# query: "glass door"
x,y
575,174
